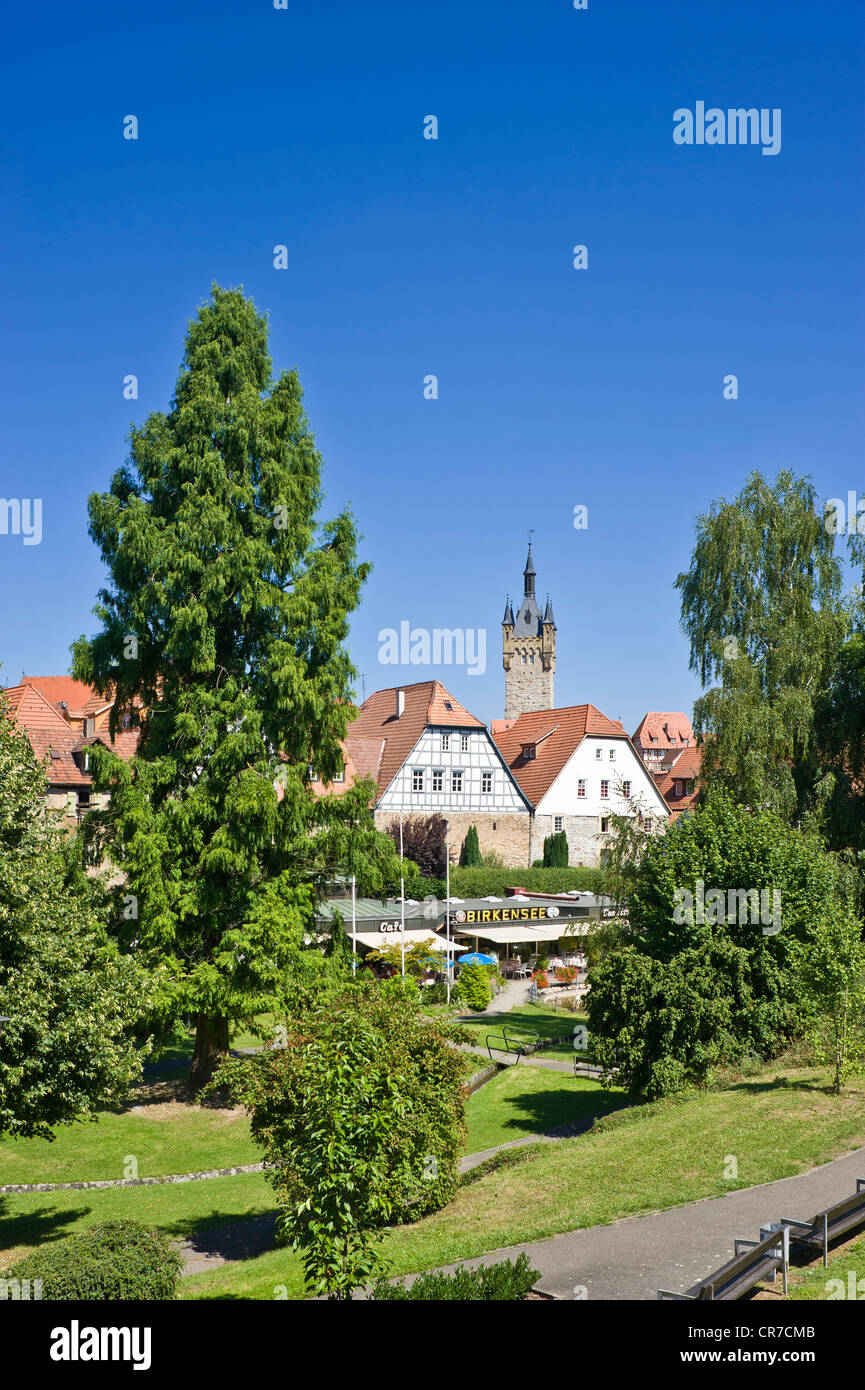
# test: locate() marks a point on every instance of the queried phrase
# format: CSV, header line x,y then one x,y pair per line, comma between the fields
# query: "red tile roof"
x,y
660,730
80,698
556,733
51,735
686,768
380,742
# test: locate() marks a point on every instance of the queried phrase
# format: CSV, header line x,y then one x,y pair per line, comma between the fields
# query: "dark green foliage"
x,y
71,998
556,851
470,854
474,986
681,996
491,882
361,1115
117,1261
224,633
501,1282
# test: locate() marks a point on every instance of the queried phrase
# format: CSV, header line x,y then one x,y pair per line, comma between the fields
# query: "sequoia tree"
x,y
223,637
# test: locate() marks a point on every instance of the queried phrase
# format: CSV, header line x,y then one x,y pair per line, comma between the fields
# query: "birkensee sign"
x,y
507,914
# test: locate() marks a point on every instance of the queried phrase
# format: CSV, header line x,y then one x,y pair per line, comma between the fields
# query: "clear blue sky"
x,y
558,387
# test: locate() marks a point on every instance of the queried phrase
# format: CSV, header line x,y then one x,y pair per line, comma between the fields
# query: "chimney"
x,y
89,728
400,704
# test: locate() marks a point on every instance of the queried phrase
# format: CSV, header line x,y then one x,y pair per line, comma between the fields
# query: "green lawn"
x,y
647,1159
529,1100
526,1024
164,1137
811,1284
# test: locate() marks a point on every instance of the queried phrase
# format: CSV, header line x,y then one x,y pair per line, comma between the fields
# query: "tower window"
x,y
531,658
523,657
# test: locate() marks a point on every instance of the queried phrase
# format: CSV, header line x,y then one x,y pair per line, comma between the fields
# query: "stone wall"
x,y
504,833
527,688
585,840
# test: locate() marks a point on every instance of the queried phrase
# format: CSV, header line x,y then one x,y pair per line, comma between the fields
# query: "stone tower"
x,y
528,650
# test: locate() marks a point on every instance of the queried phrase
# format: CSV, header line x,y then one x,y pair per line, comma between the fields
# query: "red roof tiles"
x,y
556,734
380,741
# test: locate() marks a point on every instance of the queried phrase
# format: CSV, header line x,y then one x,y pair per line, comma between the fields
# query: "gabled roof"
x,y
79,698
51,735
661,730
556,734
686,768
381,742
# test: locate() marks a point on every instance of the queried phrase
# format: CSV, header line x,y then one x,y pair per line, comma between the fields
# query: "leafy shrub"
x,y
501,1282
475,986
489,881
119,1260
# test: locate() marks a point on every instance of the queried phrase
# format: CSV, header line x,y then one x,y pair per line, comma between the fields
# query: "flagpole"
x,y
353,925
402,895
448,905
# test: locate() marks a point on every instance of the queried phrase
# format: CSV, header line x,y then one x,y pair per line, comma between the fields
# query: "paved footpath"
x,y
633,1258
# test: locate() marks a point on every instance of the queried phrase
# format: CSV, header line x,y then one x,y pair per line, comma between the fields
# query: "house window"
x,y
311,774
417,779
126,721
605,790
678,789
626,789
340,776
581,788
599,753
438,780
605,825
486,782
558,823
612,755
446,742
456,781
464,743
528,750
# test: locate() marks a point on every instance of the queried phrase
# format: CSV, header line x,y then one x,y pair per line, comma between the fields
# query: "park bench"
x,y
741,1274
826,1225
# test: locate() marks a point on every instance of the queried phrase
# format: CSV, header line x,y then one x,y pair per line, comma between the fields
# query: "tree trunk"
x,y
211,1045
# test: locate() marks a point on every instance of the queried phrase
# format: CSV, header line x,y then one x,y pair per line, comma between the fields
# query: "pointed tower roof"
x,y
529,571
548,613
509,612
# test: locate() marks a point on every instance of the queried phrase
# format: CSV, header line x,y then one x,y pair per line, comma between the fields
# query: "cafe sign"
x,y
485,915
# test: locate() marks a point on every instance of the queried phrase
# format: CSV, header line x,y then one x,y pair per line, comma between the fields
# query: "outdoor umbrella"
x,y
476,958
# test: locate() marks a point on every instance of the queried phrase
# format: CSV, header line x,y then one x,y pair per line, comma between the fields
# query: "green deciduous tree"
x,y
831,975
762,608
361,1116
719,910
223,633
71,999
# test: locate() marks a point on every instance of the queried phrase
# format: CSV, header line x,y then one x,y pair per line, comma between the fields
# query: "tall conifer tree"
x,y
223,635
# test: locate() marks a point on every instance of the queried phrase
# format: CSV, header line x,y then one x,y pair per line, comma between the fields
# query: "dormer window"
x,y
529,751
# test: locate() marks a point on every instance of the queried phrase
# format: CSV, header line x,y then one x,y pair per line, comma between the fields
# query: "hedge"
x,y
484,882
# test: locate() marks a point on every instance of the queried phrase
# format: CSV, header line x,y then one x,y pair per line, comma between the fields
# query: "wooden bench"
x,y
739,1275
826,1225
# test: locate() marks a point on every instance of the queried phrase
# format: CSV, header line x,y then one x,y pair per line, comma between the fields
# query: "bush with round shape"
x,y
117,1261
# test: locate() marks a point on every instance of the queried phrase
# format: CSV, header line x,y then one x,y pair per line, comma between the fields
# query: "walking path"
x,y
635,1257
